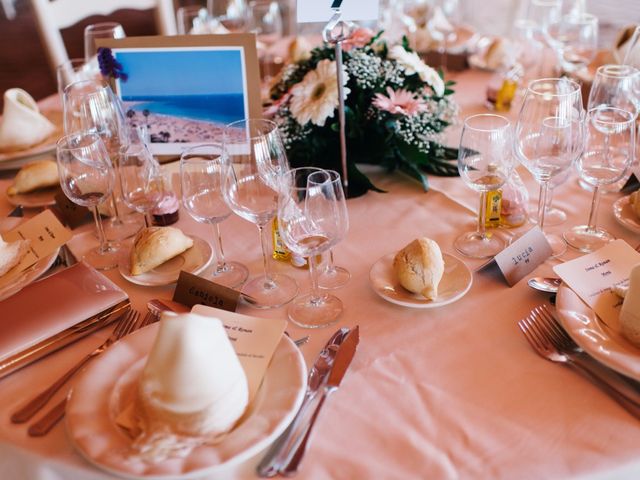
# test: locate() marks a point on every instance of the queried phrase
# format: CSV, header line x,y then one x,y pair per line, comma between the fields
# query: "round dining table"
x,y
453,392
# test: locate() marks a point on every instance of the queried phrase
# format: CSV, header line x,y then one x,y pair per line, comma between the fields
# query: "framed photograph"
x,y
185,89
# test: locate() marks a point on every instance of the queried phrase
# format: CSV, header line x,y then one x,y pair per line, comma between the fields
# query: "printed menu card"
x,y
254,340
592,276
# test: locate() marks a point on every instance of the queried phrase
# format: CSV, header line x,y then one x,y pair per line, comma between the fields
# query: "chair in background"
x,y
52,16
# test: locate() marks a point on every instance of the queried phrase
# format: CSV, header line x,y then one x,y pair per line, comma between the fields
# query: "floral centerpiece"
x,y
396,109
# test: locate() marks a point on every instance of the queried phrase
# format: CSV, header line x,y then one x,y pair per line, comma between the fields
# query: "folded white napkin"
x,y
11,254
22,123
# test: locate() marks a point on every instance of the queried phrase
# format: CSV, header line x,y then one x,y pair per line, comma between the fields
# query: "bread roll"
x,y
155,245
36,175
634,201
419,267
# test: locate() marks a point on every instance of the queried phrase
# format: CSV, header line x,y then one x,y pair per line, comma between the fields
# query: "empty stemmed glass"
x,y
256,159
485,163
312,219
94,32
265,20
92,106
141,179
608,153
549,137
87,178
574,37
201,176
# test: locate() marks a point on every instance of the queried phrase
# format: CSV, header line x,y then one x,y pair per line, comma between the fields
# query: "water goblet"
x,y
74,70
609,151
201,176
256,159
574,37
485,163
92,106
311,220
87,179
549,137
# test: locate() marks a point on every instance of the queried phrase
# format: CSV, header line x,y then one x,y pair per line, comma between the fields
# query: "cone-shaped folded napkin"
x,y
22,124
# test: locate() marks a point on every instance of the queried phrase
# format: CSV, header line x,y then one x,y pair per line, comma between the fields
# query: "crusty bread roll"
x,y
36,175
155,245
11,254
634,200
419,267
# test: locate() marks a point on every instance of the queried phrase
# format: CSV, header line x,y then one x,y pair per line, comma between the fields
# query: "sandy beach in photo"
x,y
172,129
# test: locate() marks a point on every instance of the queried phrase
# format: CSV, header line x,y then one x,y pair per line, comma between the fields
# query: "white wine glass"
x,y
201,177
549,137
485,163
333,276
574,37
265,20
87,179
609,151
311,220
141,178
256,160
92,106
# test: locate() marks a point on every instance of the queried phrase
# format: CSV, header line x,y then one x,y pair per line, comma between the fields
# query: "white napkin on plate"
x,y
11,254
22,124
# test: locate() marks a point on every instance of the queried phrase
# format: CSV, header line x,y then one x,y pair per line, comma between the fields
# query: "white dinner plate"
x,y
456,281
16,159
623,211
39,198
107,385
13,281
603,342
194,260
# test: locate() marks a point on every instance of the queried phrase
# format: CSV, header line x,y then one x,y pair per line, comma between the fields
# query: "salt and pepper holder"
x,y
336,32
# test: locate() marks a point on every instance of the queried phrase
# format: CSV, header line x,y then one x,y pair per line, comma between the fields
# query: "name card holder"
x,y
194,290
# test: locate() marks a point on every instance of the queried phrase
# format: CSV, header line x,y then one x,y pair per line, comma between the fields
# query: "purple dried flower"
x,y
109,66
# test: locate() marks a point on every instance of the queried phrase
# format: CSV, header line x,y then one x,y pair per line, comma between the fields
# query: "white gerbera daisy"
x,y
411,63
315,98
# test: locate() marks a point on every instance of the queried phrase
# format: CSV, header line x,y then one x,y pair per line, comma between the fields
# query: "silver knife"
x,y
340,365
281,448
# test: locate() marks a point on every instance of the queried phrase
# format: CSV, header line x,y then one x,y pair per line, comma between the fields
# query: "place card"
x,y
592,276
254,341
46,234
522,256
71,214
309,11
193,290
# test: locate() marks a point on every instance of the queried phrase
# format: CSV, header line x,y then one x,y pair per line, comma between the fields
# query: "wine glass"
x,y
92,106
543,13
441,24
87,178
609,151
552,215
312,219
574,38
484,162
94,32
333,276
549,137
201,176
74,70
265,20
256,159
141,179
230,13
192,19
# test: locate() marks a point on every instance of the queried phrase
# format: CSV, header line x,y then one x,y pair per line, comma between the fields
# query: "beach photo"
x,y
183,95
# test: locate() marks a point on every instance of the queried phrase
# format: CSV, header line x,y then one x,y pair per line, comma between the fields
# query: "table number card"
x,y
522,256
46,234
254,340
592,276
309,11
192,290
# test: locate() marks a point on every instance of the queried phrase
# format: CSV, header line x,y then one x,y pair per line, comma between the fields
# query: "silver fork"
x,y
124,326
537,334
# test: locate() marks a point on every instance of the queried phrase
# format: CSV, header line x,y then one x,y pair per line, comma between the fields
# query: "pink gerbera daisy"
x,y
399,102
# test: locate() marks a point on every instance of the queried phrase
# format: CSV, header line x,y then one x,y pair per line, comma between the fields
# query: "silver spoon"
x,y
545,284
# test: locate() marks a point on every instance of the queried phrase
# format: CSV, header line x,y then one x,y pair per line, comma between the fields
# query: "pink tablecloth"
x,y
452,392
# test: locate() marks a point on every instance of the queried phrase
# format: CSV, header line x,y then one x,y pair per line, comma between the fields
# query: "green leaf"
x,y
414,172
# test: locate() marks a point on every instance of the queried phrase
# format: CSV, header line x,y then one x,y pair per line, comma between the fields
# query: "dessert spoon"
x,y
545,284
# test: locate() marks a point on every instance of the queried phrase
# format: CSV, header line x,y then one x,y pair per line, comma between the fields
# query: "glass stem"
x,y
101,237
218,252
316,296
547,205
264,241
591,227
116,212
481,214
331,268
542,202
